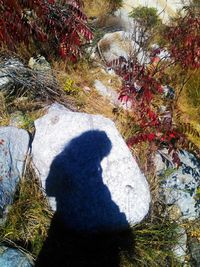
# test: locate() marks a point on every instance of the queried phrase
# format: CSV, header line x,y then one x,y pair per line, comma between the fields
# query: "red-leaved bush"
x,y
140,88
60,24
143,83
184,38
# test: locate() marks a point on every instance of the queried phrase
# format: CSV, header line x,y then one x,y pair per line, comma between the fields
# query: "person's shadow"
x,y
88,228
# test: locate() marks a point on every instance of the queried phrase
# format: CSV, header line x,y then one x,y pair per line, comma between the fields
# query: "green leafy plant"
x,y
145,16
70,87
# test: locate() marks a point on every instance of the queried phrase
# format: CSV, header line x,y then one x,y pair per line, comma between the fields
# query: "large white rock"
x,y
122,44
88,172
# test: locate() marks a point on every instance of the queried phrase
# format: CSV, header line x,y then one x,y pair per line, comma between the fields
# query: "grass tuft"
x,y
4,117
29,217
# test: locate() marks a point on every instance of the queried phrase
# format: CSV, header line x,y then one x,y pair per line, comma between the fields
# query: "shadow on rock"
x,y
88,228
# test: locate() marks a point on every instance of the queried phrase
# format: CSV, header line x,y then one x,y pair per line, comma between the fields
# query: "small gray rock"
x,y
194,248
180,250
111,95
10,257
39,63
107,92
6,71
14,145
180,186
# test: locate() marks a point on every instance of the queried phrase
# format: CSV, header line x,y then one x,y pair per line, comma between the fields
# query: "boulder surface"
x,y
88,172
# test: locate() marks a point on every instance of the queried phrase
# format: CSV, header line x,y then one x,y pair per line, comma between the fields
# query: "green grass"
x,y
29,217
193,89
3,111
154,242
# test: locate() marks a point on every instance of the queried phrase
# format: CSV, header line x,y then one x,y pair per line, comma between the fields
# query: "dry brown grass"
x,y
96,8
84,74
79,73
109,21
101,7
26,104
189,104
4,117
96,104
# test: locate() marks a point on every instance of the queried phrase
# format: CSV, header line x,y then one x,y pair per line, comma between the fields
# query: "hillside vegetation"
x,y
67,33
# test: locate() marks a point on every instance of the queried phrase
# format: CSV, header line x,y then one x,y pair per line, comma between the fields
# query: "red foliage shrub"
x,y
143,84
184,39
61,24
140,87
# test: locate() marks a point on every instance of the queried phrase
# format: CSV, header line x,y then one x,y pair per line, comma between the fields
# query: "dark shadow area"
x,y
86,229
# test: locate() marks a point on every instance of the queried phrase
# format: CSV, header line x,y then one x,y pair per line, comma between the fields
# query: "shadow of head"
x,y
80,158
91,145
